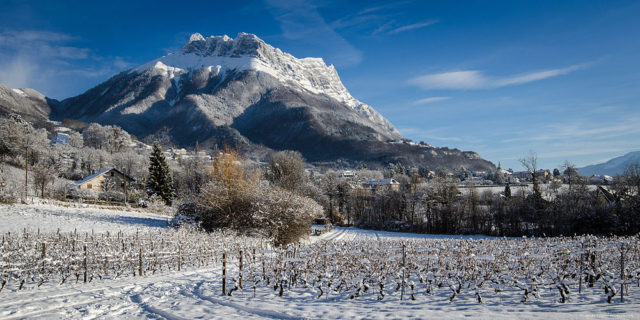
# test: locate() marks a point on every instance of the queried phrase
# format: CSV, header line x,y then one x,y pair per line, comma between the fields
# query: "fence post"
x,y
84,263
224,273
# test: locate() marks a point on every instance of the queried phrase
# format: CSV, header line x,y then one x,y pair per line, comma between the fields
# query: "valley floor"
x,y
195,293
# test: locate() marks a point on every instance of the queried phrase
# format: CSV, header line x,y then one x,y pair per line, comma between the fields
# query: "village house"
x,y
382,184
96,182
60,138
347,174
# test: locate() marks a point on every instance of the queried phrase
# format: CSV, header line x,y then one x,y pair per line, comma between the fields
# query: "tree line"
x,y
281,199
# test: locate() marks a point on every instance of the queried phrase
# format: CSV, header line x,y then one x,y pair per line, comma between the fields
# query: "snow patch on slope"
x,y
20,92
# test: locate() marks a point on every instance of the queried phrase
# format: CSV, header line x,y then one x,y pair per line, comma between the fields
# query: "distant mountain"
x,y
244,92
612,167
28,103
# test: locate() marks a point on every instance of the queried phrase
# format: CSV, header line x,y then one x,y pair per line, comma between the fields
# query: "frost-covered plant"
x,y
157,204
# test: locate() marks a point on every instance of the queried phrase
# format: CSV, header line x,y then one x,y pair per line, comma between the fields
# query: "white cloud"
x,y
473,79
430,100
451,80
50,63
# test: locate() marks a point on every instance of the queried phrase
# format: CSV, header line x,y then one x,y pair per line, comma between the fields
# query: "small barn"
x,y
111,178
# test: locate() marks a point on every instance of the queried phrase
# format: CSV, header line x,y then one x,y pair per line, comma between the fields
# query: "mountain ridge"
x,y
246,93
613,166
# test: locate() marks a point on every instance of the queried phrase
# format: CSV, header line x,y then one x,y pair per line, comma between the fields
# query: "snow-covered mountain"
x,y
612,167
242,91
30,104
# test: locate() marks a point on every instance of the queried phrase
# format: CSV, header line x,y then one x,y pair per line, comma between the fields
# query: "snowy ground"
x,y
354,234
195,293
81,217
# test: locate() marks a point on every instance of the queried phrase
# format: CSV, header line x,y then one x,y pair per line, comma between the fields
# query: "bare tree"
x,y
571,172
632,175
530,162
286,170
43,175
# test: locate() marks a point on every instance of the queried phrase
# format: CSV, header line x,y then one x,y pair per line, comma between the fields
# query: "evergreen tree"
x,y
507,191
159,177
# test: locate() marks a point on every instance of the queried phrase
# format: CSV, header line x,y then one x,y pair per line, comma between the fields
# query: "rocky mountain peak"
x,y
245,44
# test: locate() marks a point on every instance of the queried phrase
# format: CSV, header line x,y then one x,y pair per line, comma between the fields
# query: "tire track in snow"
x,y
335,235
259,312
153,310
52,310
76,292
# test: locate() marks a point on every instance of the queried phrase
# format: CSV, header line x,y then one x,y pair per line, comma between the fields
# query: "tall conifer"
x,y
159,182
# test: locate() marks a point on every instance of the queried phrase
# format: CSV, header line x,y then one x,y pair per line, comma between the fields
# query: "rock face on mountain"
x,y
28,103
242,91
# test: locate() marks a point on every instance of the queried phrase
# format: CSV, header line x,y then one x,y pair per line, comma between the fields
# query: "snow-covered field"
x,y
194,292
79,217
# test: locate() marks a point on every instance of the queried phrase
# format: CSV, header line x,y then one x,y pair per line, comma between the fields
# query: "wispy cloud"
x,y
579,130
48,62
381,20
430,100
473,79
386,6
582,137
301,21
411,27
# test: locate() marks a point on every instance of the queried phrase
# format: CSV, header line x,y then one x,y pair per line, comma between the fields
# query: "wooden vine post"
x,y
44,250
581,270
140,263
224,273
404,270
240,276
179,257
622,273
84,263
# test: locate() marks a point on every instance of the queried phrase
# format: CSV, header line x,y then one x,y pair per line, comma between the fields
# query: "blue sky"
x,y
502,78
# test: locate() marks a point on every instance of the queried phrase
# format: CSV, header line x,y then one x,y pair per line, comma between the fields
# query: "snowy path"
x,y
355,234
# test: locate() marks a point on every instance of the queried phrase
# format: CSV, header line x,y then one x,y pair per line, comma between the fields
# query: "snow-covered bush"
x,y
156,204
60,189
80,194
241,201
287,217
11,183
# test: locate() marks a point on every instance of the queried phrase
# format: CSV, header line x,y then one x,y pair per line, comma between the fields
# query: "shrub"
x,y
242,202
